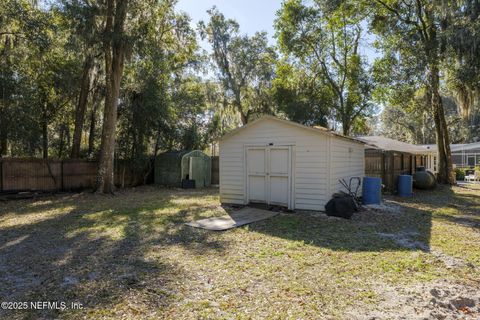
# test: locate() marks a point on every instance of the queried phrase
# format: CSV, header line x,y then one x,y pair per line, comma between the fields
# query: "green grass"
x,y
131,256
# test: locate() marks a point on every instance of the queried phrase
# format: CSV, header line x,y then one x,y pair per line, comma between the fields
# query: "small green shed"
x,y
173,166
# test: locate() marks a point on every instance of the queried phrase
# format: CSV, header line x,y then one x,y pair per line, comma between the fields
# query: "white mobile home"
x,y
284,163
463,155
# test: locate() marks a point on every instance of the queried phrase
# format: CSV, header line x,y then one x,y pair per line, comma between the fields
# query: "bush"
x,y
460,174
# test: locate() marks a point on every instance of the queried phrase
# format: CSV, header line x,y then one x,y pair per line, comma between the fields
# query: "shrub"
x,y
460,174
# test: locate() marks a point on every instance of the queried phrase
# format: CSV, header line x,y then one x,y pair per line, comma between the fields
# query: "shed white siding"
x,y
347,160
318,161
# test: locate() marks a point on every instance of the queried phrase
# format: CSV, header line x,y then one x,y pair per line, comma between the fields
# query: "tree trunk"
x,y
450,173
244,118
114,63
3,126
45,131
85,86
62,142
431,46
346,123
5,99
93,120
3,145
3,134
238,105
445,167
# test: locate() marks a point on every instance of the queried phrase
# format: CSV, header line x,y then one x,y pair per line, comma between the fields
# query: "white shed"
x,y
285,163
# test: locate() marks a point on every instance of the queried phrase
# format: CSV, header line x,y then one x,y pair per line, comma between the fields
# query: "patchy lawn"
x,y
130,256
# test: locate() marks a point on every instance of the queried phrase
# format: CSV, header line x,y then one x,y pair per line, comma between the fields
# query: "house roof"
x,y
316,129
455,147
380,142
465,146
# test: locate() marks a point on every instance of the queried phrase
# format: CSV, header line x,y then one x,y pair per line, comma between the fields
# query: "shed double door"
x,y
269,175
196,171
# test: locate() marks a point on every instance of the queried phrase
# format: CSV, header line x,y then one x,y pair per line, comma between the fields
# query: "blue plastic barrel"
x,y
405,185
372,190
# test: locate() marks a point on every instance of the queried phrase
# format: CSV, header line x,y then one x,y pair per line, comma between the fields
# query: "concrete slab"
x,y
232,220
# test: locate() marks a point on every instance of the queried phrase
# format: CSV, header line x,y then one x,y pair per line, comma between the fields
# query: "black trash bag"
x,y
188,184
341,206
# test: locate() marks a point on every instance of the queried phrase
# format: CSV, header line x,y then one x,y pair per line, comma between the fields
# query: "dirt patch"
x,y
405,239
437,300
387,206
451,262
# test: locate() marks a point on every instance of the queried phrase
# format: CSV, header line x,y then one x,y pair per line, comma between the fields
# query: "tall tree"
x,y
325,39
96,101
244,64
461,36
39,76
298,97
49,54
402,90
88,76
115,48
413,28
25,36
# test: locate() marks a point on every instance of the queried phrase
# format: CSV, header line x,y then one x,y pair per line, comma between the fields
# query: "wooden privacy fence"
x,y
388,165
215,170
51,175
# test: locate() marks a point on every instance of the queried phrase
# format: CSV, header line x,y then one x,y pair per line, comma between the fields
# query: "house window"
x,y
434,163
471,160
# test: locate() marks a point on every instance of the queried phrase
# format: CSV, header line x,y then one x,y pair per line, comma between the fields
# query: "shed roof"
x,y
384,143
180,153
176,154
316,129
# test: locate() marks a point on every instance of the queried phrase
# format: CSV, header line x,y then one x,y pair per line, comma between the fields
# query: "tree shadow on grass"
x,y
367,231
465,206
450,206
407,229
103,254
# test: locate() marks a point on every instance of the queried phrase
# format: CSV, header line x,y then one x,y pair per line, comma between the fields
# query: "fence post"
x,y
392,171
382,167
412,164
